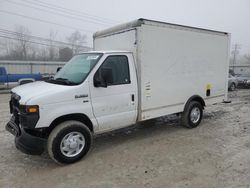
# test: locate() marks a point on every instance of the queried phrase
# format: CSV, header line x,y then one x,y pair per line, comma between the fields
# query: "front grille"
x,y
20,116
15,106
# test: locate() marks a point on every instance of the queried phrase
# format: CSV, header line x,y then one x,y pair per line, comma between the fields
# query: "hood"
x,y
38,89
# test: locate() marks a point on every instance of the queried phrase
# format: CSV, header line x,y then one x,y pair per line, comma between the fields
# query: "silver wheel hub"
x,y
195,115
72,144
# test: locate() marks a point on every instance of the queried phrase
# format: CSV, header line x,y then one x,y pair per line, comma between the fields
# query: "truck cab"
x,y
97,89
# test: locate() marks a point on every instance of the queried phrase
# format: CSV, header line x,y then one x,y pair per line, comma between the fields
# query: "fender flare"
x,y
195,98
75,116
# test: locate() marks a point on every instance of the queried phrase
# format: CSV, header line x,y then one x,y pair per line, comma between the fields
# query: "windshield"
x,y
77,69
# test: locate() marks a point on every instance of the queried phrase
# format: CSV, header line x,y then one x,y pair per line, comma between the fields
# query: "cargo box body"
x,y
173,63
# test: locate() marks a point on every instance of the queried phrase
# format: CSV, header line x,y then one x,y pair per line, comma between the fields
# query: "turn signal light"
x,y
32,109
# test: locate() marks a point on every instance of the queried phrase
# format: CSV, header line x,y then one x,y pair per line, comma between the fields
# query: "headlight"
x,y
248,81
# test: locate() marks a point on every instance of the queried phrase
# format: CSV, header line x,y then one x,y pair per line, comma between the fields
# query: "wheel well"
x,y
77,117
196,98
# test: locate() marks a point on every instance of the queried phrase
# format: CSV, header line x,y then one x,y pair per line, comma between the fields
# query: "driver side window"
x,y
119,68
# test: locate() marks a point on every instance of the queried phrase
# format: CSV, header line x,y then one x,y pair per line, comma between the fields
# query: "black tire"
x,y
59,133
232,87
186,115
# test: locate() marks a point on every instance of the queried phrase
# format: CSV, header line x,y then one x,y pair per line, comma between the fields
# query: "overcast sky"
x,y
226,15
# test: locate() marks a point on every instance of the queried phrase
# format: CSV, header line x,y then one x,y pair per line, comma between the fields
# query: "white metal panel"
x,y
177,64
113,106
174,62
61,101
124,41
139,22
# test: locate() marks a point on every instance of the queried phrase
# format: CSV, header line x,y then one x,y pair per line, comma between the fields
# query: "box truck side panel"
x,y
123,40
177,64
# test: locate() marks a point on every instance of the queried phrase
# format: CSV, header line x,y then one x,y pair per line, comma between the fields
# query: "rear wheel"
x,y
69,142
192,115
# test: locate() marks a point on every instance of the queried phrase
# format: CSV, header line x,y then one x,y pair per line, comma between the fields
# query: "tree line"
x,y
20,44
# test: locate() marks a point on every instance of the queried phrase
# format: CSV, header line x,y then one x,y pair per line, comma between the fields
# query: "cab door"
x,y
115,104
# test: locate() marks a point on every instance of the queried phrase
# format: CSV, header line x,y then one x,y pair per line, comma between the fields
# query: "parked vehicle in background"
x,y
244,80
232,83
139,71
20,79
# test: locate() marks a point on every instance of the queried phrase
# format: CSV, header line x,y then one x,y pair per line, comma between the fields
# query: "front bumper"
x,y
24,141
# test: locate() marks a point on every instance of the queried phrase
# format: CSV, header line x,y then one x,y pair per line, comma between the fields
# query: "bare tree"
x,y
23,38
9,50
33,52
77,40
6,47
65,54
247,56
52,50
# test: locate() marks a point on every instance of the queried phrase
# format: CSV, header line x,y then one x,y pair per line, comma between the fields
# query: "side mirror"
x,y
103,77
58,69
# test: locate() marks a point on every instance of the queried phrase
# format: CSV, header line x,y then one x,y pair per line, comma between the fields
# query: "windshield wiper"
x,y
66,81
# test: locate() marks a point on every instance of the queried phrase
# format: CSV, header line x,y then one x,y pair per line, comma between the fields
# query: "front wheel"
x,y
192,115
69,142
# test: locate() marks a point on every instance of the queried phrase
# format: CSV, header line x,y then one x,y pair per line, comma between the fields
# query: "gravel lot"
x,y
157,153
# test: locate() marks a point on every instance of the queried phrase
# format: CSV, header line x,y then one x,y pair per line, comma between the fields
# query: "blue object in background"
x,y
8,78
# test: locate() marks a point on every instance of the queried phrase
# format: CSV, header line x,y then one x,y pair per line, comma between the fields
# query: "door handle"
x,y
132,97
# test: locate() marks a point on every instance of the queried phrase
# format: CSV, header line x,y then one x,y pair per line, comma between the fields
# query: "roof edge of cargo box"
x,y
141,21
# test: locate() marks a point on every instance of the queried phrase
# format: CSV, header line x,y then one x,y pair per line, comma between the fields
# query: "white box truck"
x,y
139,70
